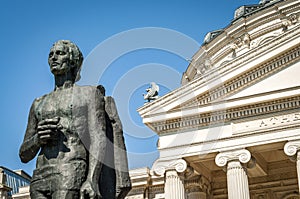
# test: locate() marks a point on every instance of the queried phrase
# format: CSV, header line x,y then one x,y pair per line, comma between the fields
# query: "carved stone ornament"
x,y
290,20
242,155
291,148
160,168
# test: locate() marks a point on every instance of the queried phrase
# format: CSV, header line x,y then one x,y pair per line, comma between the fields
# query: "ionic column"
x,y
237,179
292,149
174,184
174,187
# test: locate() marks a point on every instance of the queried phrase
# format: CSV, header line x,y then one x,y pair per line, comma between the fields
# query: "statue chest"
x,y
55,104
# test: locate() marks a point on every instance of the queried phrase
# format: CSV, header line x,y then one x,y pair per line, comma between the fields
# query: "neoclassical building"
x,y
232,130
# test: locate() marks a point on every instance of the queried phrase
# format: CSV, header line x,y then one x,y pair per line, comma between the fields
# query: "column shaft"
x,y
298,169
174,187
237,181
292,149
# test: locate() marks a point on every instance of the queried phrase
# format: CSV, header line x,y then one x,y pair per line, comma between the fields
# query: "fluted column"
x,y
292,149
174,184
174,187
237,179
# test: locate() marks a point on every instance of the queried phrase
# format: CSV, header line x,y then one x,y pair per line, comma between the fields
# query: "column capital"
x,y
292,147
160,167
242,155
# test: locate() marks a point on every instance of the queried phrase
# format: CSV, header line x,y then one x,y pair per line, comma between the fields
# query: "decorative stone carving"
x,y
242,155
289,20
244,40
160,168
291,148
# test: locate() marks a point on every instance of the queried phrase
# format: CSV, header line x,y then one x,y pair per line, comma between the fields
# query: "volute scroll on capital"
x,y
292,147
223,158
160,167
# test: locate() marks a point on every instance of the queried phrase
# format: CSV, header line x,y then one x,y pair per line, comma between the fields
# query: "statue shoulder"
x,y
39,99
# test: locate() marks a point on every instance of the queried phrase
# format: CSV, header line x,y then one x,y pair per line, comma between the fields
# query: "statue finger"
x,y
45,132
54,120
47,126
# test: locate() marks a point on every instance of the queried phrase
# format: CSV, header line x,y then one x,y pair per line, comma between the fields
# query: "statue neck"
x,y
63,81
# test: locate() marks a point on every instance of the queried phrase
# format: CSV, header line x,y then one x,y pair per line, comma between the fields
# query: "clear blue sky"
x,y
29,28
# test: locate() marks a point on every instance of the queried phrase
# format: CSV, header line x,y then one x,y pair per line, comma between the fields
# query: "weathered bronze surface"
x,y
77,134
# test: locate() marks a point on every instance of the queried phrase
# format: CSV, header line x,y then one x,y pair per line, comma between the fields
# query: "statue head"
x,y
65,58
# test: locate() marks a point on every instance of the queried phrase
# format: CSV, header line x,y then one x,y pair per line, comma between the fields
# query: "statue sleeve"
x,y
30,146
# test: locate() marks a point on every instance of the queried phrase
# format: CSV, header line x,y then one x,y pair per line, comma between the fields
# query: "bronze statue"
x,y
68,127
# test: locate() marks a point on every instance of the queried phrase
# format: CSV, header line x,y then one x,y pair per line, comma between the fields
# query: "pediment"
x,y
252,81
287,78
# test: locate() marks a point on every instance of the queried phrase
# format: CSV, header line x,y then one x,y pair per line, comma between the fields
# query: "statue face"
x,y
59,60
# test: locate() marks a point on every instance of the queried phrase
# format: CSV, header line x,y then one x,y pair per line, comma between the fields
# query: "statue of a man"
x,y
67,129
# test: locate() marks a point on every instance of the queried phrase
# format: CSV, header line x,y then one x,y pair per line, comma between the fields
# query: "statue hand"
x,y
89,190
47,130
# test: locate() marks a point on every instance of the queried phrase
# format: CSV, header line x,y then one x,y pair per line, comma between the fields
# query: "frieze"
x,y
256,110
266,123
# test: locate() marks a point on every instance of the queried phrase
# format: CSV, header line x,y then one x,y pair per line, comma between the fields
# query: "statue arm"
x,y
30,146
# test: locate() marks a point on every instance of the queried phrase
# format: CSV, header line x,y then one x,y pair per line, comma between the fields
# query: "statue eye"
x,y
50,54
60,52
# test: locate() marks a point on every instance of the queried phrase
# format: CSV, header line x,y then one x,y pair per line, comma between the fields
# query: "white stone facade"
x,y
232,130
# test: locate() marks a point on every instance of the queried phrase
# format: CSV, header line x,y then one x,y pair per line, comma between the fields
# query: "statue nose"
x,y
54,56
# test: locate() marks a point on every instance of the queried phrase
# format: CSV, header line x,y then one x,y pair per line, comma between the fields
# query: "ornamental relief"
x,y
290,20
265,38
